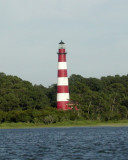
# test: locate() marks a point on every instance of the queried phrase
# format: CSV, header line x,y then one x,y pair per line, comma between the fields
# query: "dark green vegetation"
x,y
104,99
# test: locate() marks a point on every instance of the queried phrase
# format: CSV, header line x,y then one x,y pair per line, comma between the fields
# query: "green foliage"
x,y
102,99
51,93
22,95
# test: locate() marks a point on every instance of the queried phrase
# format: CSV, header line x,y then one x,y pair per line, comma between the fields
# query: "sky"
x,y
95,33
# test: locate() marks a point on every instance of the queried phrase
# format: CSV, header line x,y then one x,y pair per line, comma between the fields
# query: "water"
x,y
89,143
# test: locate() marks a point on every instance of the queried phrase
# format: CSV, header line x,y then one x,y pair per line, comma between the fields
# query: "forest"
x,y
101,99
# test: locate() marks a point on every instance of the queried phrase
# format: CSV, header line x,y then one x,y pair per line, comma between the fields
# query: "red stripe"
x,y
61,57
61,50
63,105
62,73
62,89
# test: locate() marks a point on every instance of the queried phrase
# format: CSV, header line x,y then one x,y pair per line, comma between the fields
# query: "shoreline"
x,y
67,124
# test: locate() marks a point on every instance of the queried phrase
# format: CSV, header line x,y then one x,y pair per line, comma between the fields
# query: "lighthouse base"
x,y
63,105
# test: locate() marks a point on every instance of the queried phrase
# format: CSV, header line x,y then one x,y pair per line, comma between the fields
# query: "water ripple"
x,y
90,143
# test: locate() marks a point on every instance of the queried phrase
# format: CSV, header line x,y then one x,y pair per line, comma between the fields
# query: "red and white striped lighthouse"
x,y
62,84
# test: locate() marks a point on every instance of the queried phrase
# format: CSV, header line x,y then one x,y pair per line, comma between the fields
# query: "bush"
x,y
50,119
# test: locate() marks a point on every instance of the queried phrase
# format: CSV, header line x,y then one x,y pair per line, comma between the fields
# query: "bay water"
x,y
89,143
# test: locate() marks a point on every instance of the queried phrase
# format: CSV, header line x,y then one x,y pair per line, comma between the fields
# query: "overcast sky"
x,y
95,33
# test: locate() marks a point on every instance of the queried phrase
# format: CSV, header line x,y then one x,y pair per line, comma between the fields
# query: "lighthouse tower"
x,y
62,84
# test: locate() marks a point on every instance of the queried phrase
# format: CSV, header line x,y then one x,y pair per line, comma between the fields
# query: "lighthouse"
x,y
62,84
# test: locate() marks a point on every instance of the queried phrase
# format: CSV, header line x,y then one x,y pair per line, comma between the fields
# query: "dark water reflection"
x,y
90,143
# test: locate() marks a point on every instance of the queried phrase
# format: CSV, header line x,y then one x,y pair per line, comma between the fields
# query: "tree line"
x,y
96,99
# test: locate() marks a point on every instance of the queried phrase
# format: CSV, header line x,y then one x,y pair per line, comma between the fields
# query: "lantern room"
x,y
61,48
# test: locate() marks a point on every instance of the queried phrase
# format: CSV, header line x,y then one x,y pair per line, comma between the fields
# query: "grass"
x,y
78,123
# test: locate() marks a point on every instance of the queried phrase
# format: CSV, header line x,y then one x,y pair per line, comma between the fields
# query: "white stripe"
x,y
62,81
62,96
62,65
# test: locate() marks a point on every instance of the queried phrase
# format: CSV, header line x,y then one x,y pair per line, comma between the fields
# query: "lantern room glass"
x,y
61,46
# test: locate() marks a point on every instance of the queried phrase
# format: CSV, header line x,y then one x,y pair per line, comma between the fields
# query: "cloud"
x,y
22,10
95,31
